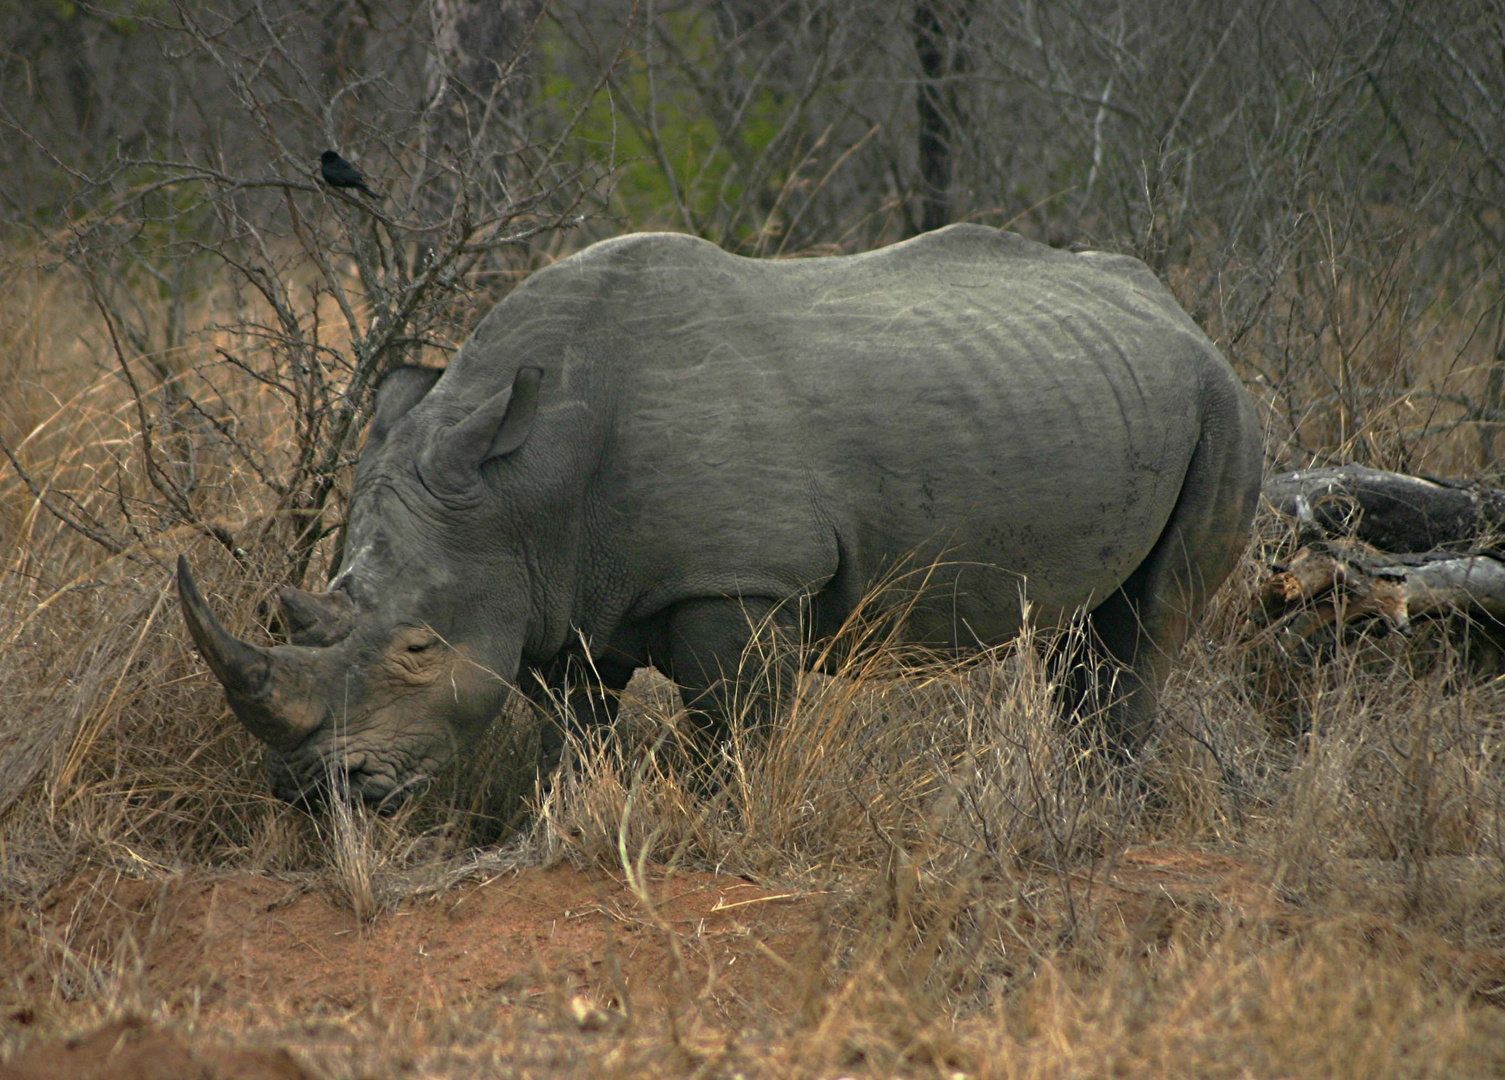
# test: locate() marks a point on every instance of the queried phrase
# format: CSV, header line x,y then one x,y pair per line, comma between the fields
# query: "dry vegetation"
x,y
919,872
1304,879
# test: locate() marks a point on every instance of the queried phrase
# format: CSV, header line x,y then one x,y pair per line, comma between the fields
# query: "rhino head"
x,y
406,658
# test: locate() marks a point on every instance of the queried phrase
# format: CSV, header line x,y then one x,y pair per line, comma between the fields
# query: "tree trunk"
x,y
478,80
936,105
1391,511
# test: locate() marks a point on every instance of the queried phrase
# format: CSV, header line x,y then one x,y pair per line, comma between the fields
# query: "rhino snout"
x,y
311,776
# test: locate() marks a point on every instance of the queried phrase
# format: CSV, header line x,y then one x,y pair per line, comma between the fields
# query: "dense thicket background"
x,y
1320,182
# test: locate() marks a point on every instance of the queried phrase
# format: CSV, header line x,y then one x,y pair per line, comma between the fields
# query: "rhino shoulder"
x,y
604,276
982,241
634,252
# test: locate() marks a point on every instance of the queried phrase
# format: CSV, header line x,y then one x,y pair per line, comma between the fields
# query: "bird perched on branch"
x,y
337,172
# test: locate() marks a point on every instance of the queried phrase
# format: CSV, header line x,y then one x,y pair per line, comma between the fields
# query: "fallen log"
x,y
1374,546
1391,511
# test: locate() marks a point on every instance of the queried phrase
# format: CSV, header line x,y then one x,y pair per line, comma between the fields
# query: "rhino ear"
x,y
498,427
522,407
399,391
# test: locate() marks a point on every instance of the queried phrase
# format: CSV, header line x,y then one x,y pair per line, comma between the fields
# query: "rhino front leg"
x,y
732,657
573,695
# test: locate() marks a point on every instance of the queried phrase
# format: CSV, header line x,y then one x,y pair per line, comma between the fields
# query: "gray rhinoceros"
x,y
652,445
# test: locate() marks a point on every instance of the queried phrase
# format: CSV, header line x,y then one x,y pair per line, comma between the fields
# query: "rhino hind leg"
x,y
1131,639
1113,667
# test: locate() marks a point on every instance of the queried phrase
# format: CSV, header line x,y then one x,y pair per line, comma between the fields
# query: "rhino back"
x,y
757,427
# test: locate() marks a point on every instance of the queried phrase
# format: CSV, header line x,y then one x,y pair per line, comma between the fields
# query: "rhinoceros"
x,y
653,447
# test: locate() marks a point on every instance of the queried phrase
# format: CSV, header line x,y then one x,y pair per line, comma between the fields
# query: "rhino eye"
x,y
421,644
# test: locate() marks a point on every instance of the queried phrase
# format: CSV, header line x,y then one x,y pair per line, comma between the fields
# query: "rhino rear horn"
x,y
315,618
398,392
496,429
241,667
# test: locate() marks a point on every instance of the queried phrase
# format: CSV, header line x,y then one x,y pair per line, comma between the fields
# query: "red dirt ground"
x,y
242,940
134,1050
557,941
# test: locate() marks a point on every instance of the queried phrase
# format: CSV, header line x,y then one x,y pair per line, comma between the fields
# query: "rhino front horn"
x,y
273,691
242,668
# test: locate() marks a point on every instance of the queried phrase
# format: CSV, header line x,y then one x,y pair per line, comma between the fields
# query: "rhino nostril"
x,y
349,764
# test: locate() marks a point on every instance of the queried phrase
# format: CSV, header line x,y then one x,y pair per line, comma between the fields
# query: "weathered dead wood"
x,y
1391,511
1380,546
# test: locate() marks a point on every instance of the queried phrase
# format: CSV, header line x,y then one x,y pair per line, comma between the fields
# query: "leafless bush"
x,y
321,290
208,322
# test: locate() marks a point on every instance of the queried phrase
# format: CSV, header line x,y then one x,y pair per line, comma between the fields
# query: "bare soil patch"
x,y
524,936
244,976
133,1049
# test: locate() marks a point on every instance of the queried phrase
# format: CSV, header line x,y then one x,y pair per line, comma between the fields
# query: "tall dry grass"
x,y
970,849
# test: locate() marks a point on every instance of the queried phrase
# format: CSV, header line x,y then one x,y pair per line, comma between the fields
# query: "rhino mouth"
x,y
316,777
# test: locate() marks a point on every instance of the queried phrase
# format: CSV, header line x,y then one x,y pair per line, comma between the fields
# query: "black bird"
x,y
337,172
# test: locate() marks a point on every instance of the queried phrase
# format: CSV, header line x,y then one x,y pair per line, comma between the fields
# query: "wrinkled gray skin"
x,y
652,445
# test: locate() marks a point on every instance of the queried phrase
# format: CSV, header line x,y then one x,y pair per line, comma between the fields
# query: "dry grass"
x,y
992,904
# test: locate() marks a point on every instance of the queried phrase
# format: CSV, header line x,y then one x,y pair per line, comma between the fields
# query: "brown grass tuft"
x,y
1303,879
